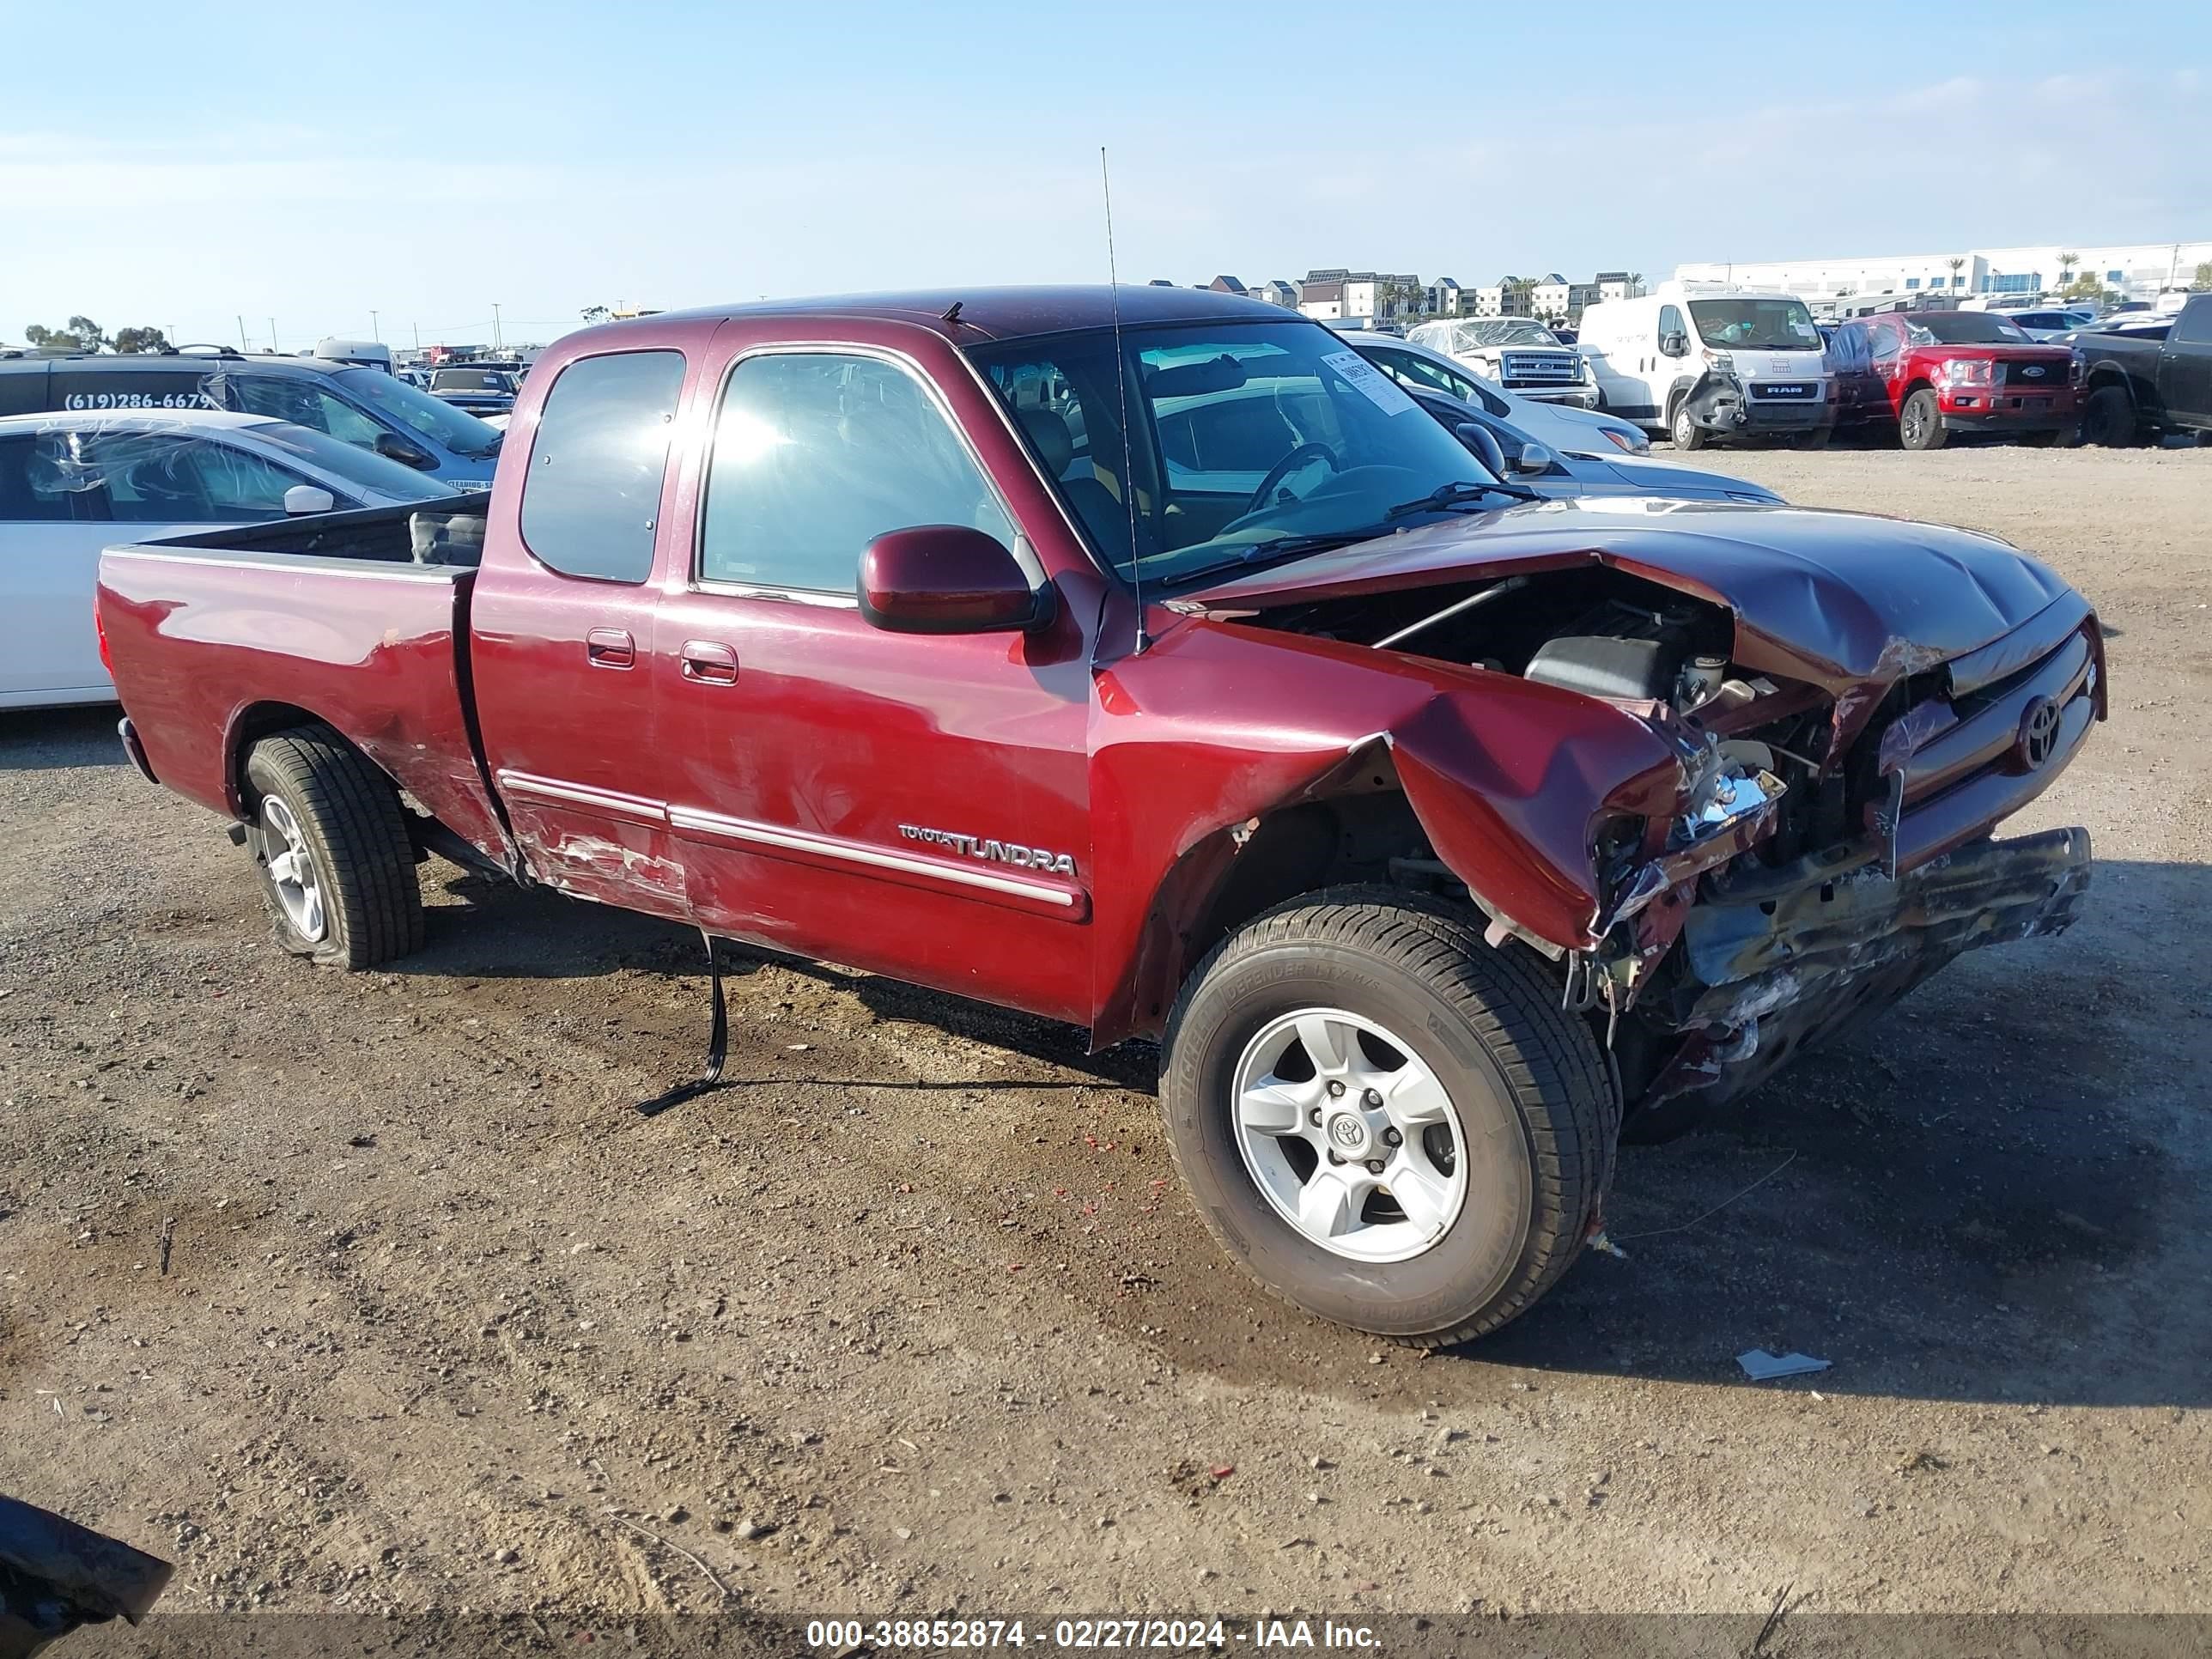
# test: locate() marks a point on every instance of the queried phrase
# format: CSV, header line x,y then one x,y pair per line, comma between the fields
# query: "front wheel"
x,y
1388,1123
2110,419
330,843
1920,422
1685,432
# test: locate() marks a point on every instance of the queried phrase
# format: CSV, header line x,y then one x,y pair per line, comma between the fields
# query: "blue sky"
x,y
316,163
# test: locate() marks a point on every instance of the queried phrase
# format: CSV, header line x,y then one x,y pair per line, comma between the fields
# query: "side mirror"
x,y
308,498
1483,443
1534,457
1674,345
948,578
393,447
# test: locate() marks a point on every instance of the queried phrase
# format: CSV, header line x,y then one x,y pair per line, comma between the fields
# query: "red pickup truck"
x,y
1145,660
1932,375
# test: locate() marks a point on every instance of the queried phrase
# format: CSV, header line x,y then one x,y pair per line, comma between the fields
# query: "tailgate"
x,y
211,647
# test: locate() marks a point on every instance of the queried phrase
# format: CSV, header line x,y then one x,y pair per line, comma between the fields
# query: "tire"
x,y
2110,419
1920,422
1687,433
314,799
1526,1083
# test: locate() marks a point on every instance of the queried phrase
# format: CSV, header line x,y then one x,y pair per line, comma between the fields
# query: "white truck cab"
x,y
1706,362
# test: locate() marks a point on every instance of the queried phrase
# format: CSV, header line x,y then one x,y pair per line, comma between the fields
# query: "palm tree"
x,y
1957,264
2066,264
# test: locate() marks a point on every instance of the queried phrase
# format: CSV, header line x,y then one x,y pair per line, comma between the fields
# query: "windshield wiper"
x,y
1281,547
1451,497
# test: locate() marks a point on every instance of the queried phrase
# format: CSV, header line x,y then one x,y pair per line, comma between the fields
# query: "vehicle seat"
x,y
447,539
1094,505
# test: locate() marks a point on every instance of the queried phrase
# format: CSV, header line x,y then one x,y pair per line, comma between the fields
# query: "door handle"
x,y
709,662
609,647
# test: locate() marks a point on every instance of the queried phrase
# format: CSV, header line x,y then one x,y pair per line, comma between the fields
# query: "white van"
x,y
362,354
1701,361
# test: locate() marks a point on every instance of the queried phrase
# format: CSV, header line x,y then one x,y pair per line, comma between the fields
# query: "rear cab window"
x,y
591,503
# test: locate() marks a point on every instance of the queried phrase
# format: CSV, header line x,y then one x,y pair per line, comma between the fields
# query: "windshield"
x,y
470,380
351,462
1776,324
1248,440
442,423
1965,328
1507,330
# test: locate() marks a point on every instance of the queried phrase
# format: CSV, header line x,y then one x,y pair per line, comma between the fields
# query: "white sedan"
x,y
70,484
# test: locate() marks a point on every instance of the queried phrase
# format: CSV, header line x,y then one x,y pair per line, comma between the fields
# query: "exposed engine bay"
x,y
1768,906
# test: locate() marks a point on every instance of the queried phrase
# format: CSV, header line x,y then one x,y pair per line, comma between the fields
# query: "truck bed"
x,y
217,638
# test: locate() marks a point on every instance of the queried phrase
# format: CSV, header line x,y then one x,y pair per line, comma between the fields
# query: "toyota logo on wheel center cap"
x,y
1348,1131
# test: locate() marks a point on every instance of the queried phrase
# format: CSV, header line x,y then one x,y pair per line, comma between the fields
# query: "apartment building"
x,y
2136,270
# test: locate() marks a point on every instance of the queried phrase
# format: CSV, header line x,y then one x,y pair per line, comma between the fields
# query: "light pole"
x,y
375,332
496,343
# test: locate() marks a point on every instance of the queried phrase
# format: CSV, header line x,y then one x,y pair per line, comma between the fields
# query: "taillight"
x,y
99,628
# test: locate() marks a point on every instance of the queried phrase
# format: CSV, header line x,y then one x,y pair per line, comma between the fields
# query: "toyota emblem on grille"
x,y
2039,734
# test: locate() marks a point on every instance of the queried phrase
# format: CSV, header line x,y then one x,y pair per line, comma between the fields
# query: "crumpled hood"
x,y
1837,600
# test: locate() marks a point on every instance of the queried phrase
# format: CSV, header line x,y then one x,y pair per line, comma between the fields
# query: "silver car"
x,y
1553,450
72,483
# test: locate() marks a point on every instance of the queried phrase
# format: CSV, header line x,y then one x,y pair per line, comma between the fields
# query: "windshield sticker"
x,y
1363,377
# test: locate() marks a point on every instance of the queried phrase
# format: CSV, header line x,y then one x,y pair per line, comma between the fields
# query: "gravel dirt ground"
x,y
372,1293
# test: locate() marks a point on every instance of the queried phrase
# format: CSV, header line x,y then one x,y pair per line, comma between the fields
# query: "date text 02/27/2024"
x,y
1163,1635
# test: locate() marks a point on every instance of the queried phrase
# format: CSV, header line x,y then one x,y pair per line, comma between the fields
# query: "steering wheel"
x,y
1262,497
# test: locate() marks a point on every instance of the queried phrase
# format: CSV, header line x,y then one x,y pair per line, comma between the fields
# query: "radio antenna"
x,y
1121,383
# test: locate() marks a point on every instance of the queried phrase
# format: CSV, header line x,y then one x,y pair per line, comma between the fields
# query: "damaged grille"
x,y
1977,750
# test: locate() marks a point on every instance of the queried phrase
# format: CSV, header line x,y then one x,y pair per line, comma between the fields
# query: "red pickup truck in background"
x,y
1149,662
1932,375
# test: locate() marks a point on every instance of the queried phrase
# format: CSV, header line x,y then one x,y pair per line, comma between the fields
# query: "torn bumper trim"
x,y
1838,923
1781,963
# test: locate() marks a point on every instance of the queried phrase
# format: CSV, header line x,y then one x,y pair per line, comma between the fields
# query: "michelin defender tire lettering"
x,y
356,833
1538,1110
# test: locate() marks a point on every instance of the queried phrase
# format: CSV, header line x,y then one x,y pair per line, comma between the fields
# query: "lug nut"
x,y
1371,1098
1314,1117
1334,1088
1336,1158
1375,1166
1392,1137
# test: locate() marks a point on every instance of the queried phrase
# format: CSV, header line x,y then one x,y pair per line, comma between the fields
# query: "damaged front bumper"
x,y
1723,404
1777,960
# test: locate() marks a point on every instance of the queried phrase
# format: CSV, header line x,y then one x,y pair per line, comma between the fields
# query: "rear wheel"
x,y
330,844
2110,419
1920,422
1388,1123
1685,432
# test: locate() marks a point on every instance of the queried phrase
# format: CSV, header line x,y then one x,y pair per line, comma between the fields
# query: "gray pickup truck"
x,y
2148,378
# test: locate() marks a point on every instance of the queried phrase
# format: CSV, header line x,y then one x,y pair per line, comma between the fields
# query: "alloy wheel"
x,y
1349,1135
